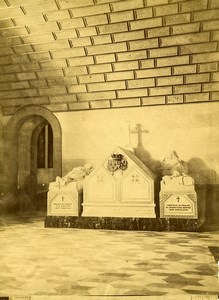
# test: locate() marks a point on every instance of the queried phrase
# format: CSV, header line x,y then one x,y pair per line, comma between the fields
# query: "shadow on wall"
x,y
207,190
201,173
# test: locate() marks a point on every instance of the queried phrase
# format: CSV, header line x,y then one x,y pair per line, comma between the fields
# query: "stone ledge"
x,y
112,223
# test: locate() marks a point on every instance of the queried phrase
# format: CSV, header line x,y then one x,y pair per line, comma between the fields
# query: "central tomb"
x,y
121,186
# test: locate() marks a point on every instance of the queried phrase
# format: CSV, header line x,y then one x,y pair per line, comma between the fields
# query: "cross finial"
x,y
139,131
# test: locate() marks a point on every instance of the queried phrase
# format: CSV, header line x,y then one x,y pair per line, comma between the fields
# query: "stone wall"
x,y
92,54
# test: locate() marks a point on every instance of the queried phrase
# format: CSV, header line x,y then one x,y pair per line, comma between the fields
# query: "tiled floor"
x,y
39,261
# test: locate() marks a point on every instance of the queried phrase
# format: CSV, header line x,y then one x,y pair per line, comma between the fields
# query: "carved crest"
x,y
116,162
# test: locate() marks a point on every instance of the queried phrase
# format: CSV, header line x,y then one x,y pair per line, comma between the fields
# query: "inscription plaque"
x,y
178,205
62,204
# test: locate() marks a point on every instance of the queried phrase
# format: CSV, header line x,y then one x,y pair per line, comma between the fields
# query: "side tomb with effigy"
x,y
178,198
65,195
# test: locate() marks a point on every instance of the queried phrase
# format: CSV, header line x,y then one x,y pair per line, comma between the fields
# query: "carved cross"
x,y
63,198
178,198
100,178
139,132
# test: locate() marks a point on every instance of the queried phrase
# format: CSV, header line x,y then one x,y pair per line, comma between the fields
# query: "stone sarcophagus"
x,y
64,201
178,198
122,186
65,195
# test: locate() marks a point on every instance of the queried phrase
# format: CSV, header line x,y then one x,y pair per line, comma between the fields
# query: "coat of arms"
x,y
117,162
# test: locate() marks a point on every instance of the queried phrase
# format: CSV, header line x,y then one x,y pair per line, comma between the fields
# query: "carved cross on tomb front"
x,y
100,178
137,179
178,198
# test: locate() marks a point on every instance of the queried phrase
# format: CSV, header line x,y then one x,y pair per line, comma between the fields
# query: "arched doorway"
x,y
28,129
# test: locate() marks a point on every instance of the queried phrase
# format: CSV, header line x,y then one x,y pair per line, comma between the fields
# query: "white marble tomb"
x,y
121,186
66,193
65,200
178,198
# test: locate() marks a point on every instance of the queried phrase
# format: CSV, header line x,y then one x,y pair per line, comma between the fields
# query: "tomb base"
x,y
114,223
141,211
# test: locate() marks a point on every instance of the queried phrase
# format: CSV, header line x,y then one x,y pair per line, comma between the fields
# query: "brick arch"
x,y
11,134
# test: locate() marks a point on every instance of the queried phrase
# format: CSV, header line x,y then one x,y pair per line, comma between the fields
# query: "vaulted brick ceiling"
x,y
89,54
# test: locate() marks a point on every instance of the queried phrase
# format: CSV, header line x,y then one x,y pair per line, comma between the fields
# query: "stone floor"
x,y
39,261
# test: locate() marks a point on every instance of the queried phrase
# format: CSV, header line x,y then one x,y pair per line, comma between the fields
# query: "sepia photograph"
x,y
109,149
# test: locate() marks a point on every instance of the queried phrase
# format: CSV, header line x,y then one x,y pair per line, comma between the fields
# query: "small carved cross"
x,y
100,178
63,198
139,132
178,198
